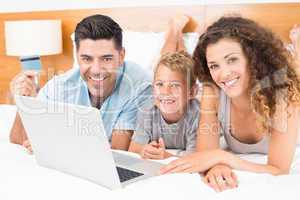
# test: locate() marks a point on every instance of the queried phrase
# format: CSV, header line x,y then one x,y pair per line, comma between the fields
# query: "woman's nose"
x,y
226,73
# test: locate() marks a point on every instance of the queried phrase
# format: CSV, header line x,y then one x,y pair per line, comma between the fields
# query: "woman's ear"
x,y
193,91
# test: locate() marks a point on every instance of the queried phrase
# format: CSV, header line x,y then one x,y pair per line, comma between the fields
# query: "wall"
x,y
278,17
42,5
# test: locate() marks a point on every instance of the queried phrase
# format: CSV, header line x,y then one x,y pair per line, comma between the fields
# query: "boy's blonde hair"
x,y
179,61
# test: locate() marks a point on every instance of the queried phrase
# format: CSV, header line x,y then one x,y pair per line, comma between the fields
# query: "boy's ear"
x,y
193,91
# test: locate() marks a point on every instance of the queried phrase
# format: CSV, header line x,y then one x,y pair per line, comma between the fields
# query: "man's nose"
x,y
96,67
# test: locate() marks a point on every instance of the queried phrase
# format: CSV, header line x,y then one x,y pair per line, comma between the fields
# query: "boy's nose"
x,y
166,90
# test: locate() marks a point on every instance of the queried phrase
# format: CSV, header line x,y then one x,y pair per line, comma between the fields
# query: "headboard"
x,y
279,17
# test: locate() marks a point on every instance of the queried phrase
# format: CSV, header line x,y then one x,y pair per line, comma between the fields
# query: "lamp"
x,y
30,39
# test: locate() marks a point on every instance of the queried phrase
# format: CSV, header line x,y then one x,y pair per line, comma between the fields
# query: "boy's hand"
x,y
221,178
155,150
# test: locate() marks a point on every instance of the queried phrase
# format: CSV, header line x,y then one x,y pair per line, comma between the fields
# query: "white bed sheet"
x,y
22,178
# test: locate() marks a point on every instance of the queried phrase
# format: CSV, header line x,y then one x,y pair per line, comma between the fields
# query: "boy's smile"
x,y
171,93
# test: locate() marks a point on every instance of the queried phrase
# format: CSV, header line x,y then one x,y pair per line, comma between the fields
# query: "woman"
x,y
251,94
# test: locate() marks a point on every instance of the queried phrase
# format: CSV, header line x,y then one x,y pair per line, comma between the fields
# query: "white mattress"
x,y
22,178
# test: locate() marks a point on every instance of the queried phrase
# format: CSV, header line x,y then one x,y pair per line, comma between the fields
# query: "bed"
x,y
22,178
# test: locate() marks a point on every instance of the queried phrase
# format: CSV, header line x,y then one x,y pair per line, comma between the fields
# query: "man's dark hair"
x,y
97,27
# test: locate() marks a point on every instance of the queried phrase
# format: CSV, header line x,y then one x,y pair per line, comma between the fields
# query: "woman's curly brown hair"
x,y
271,74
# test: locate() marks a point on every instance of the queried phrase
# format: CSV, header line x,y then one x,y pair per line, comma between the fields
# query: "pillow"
x,y
144,48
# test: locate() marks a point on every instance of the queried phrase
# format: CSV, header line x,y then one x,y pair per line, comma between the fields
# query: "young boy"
x,y
171,119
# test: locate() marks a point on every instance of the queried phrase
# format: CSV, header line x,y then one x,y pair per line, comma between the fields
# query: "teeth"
x,y
101,78
167,101
231,82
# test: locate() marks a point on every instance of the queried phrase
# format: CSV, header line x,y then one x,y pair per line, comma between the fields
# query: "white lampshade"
x,y
33,37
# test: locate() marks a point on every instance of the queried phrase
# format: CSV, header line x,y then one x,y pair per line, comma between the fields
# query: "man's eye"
x,y
107,59
86,59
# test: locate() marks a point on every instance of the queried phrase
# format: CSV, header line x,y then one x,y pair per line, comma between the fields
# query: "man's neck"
x,y
96,101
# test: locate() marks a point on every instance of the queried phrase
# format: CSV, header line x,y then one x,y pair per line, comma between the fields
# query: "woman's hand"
x,y
220,178
195,162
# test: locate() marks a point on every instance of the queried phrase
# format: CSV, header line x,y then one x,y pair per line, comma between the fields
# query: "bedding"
x,y
21,177
144,48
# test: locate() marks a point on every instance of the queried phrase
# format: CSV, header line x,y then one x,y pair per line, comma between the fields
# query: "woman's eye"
x,y
212,67
232,60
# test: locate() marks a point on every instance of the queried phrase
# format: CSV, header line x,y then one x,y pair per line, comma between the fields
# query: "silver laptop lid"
x,y
69,138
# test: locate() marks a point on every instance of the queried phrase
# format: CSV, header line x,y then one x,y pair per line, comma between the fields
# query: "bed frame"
x,y
278,17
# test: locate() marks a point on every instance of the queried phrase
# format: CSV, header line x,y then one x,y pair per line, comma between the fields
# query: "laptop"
x,y
72,139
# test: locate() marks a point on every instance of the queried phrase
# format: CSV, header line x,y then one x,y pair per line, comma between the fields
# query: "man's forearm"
x,y
121,139
17,133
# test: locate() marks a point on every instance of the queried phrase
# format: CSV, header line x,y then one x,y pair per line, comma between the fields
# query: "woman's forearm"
x,y
296,64
240,164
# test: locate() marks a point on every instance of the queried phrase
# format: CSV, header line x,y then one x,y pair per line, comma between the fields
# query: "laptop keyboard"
x,y
126,174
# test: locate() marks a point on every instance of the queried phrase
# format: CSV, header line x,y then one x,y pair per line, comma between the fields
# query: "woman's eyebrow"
x,y
211,62
232,53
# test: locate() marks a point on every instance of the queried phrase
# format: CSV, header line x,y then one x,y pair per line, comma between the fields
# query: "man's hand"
x,y
23,84
155,150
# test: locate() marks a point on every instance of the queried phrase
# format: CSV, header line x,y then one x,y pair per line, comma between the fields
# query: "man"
x,y
103,80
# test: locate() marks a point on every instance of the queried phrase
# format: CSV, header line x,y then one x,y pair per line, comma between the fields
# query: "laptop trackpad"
x,y
137,164
124,160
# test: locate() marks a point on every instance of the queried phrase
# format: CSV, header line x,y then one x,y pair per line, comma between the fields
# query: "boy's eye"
x,y
158,84
175,85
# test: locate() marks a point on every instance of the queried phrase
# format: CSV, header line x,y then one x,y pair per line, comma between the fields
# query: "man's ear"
x,y
193,91
122,55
